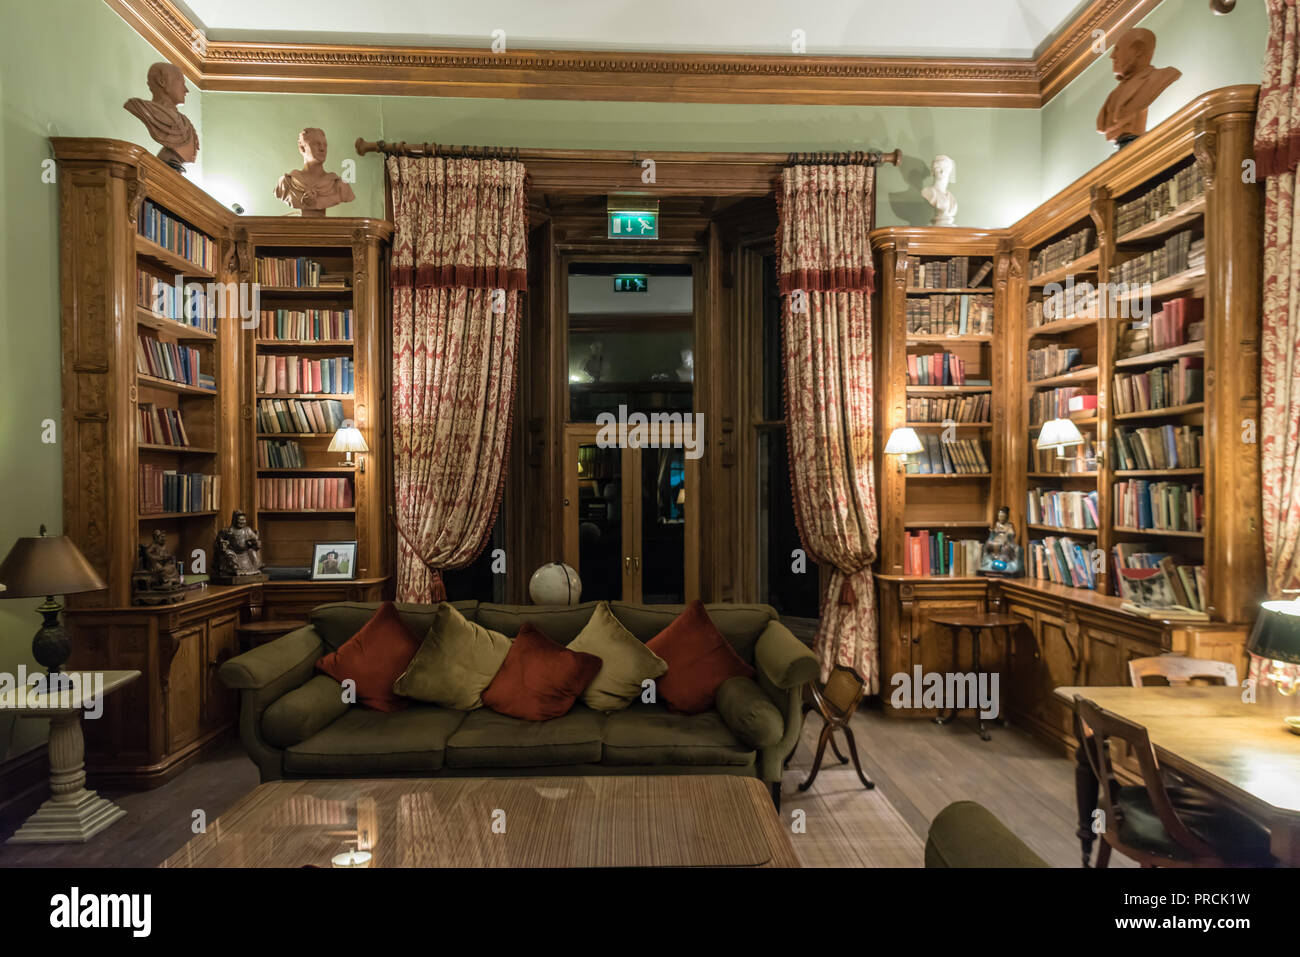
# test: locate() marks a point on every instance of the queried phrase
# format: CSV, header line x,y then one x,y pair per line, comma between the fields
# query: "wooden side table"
x,y
72,814
976,624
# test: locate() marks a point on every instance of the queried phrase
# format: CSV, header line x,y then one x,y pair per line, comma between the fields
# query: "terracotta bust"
x,y
1123,116
311,190
166,124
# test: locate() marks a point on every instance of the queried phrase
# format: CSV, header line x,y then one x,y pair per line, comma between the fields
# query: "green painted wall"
x,y
1210,51
66,67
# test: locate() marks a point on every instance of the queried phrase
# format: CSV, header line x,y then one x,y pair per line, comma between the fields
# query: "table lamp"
x,y
1276,637
349,439
47,567
1058,434
903,442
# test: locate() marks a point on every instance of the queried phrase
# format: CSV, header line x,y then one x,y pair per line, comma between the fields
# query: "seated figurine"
x,y
1000,556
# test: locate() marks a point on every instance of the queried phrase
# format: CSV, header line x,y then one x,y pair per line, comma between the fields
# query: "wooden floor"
x,y
918,767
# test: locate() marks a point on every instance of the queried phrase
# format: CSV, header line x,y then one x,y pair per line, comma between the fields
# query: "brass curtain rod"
x,y
871,158
433,149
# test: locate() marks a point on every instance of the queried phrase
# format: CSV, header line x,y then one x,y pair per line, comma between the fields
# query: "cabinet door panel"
x,y
1059,641
183,686
221,643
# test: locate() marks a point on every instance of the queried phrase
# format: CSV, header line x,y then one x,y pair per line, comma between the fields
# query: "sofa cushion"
x,y
560,623
749,713
338,621
539,679
376,742
740,624
303,711
373,658
487,739
647,734
456,662
625,661
699,660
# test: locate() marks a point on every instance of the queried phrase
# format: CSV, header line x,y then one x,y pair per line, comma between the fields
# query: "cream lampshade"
x,y
903,442
1058,434
348,439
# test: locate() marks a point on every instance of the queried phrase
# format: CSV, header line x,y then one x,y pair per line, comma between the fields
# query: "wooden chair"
x,y
836,701
1149,826
1179,670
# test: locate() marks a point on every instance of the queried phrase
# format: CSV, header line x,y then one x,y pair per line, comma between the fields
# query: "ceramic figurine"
x,y
1000,556
160,116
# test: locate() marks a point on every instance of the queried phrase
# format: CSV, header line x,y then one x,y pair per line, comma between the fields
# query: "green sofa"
x,y
294,723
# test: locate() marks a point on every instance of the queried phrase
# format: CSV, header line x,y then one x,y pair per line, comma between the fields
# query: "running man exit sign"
x,y
634,219
631,283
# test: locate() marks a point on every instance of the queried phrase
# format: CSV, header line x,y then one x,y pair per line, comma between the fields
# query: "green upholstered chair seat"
x,y
487,739
363,741
966,834
1234,837
645,734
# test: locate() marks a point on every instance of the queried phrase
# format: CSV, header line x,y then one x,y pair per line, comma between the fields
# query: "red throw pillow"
x,y
374,658
699,660
540,679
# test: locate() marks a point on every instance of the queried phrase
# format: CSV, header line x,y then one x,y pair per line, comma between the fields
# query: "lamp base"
x,y
51,647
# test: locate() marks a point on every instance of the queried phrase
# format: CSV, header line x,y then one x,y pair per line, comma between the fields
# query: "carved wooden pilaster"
x,y
1205,145
1099,209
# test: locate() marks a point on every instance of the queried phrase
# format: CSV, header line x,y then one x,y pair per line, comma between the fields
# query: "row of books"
x,y
950,315
1077,458
1159,447
1160,200
935,553
167,490
159,425
1062,509
1061,560
1161,387
303,374
175,235
958,408
279,454
1078,302
299,415
954,457
304,493
315,325
1186,581
1158,506
1052,360
1061,403
952,273
1178,322
1067,250
187,305
170,361
939,368
297,273
1179,253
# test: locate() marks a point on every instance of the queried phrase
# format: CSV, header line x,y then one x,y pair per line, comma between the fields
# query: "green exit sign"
x,y
631,283
633,224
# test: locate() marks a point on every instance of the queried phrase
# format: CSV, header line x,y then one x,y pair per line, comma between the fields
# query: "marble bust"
x,y
1123,116
239,552
311,190
944,171
160,116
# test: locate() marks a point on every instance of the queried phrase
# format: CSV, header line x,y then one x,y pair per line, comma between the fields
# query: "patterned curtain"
x,y
1277,151
825,282
458,271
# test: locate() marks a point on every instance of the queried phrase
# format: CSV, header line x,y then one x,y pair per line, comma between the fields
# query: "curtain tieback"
x,y
847,595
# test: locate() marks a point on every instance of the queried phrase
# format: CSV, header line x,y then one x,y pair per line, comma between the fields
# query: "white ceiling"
x,y
959,28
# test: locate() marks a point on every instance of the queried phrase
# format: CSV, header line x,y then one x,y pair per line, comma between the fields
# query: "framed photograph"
x,y
334,561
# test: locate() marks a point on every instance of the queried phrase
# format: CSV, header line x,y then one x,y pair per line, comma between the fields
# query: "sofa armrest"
x,y
783,659
291,654
749,713
305,710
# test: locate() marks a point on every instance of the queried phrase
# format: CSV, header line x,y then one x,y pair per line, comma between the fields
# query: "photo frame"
x,y
334,561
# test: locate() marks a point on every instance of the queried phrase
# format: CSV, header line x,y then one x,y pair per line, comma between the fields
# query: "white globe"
x,y
555,584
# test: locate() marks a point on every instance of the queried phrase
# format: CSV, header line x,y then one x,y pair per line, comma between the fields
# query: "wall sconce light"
x,y
349,439
1059,434
903,442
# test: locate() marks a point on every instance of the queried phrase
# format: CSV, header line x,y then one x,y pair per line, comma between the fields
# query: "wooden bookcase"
x,y
107,190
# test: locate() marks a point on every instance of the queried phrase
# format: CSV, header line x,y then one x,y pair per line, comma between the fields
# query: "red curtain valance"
x,y
825,214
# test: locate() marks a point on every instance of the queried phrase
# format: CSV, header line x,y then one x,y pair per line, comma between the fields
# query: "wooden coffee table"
x,y
613,821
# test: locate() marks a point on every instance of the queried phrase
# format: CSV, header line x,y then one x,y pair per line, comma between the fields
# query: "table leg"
x,y
975,666
1085,792
952,712
72,814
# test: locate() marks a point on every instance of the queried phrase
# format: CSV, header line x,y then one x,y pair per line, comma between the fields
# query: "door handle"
x,y
636,563
627,565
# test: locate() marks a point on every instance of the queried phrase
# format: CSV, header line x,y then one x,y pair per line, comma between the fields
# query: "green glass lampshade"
x,y
1276,634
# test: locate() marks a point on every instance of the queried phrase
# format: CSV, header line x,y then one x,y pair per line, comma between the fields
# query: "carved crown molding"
x,y
573,75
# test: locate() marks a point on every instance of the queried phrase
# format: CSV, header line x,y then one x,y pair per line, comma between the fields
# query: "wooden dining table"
x,y
1240,751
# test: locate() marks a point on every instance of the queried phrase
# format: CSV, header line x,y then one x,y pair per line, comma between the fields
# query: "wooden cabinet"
x,y
909,639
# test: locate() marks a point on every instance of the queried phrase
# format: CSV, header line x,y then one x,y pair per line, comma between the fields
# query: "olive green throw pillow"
x,y
625,661
456,661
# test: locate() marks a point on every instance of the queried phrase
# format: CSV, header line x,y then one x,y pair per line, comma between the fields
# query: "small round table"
x,y
976,624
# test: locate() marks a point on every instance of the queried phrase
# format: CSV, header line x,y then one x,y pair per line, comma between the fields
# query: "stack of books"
x,y
953,273
1159,447
170,361
298,273
1161,387
1062,561
166,490
299,415
1051,360
160,426
955,457
938,368
302,374
1158,506
1178,254
1160,200
1061,403
282,494
934,553
950,315
316,325
1067,250
279,454
187,305
175,235
1179,322
1062,509
957,408
1078,303
1186,581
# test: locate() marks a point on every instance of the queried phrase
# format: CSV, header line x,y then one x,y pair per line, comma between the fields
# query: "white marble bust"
x,y
944,171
